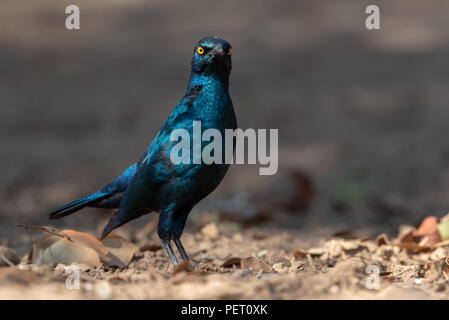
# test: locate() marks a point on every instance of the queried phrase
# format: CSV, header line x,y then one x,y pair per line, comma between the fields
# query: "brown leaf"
x,y
255,264
428,226
412,246
88,241
67,246
430,239
120,250
345,234
316,252
351,245
428,230
53,249
382,239
299,254
150,247
231,262
313,252
406,234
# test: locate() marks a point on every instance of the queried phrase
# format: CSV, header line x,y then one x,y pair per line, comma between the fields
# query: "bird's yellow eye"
x,y
229,52
200,50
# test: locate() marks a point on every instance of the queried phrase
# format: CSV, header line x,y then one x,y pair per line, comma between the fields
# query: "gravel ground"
x,y
362,117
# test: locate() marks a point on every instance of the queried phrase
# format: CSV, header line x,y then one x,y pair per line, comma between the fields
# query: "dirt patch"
x,y
244,265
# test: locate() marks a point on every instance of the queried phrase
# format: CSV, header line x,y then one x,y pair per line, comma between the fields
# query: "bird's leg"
x,y
179,221
170,252
165,229
183,253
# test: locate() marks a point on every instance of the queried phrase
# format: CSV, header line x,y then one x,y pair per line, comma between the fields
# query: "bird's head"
x,y
212,55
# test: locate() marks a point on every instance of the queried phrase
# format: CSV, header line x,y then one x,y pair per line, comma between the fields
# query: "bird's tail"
x,y
77,205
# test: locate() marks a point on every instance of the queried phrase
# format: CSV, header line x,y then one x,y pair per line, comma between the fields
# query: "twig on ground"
x,y
43,228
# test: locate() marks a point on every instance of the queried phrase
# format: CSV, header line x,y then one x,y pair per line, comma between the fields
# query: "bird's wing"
x,y
157,167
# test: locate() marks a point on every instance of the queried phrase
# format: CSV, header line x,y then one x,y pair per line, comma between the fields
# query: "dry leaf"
x,y
255,264
262,253
231,262
382,239
150,247
428,226
316,252
67,246
299,254
280,268
53,249
435,270
350,245
406,234
120,250
88,241
429,231
345,234
412,246
430,239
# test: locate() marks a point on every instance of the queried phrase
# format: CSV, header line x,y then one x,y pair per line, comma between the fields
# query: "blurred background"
x,y
362,115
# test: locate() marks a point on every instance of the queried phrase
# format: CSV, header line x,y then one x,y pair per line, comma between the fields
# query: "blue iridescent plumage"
x,y
155,183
